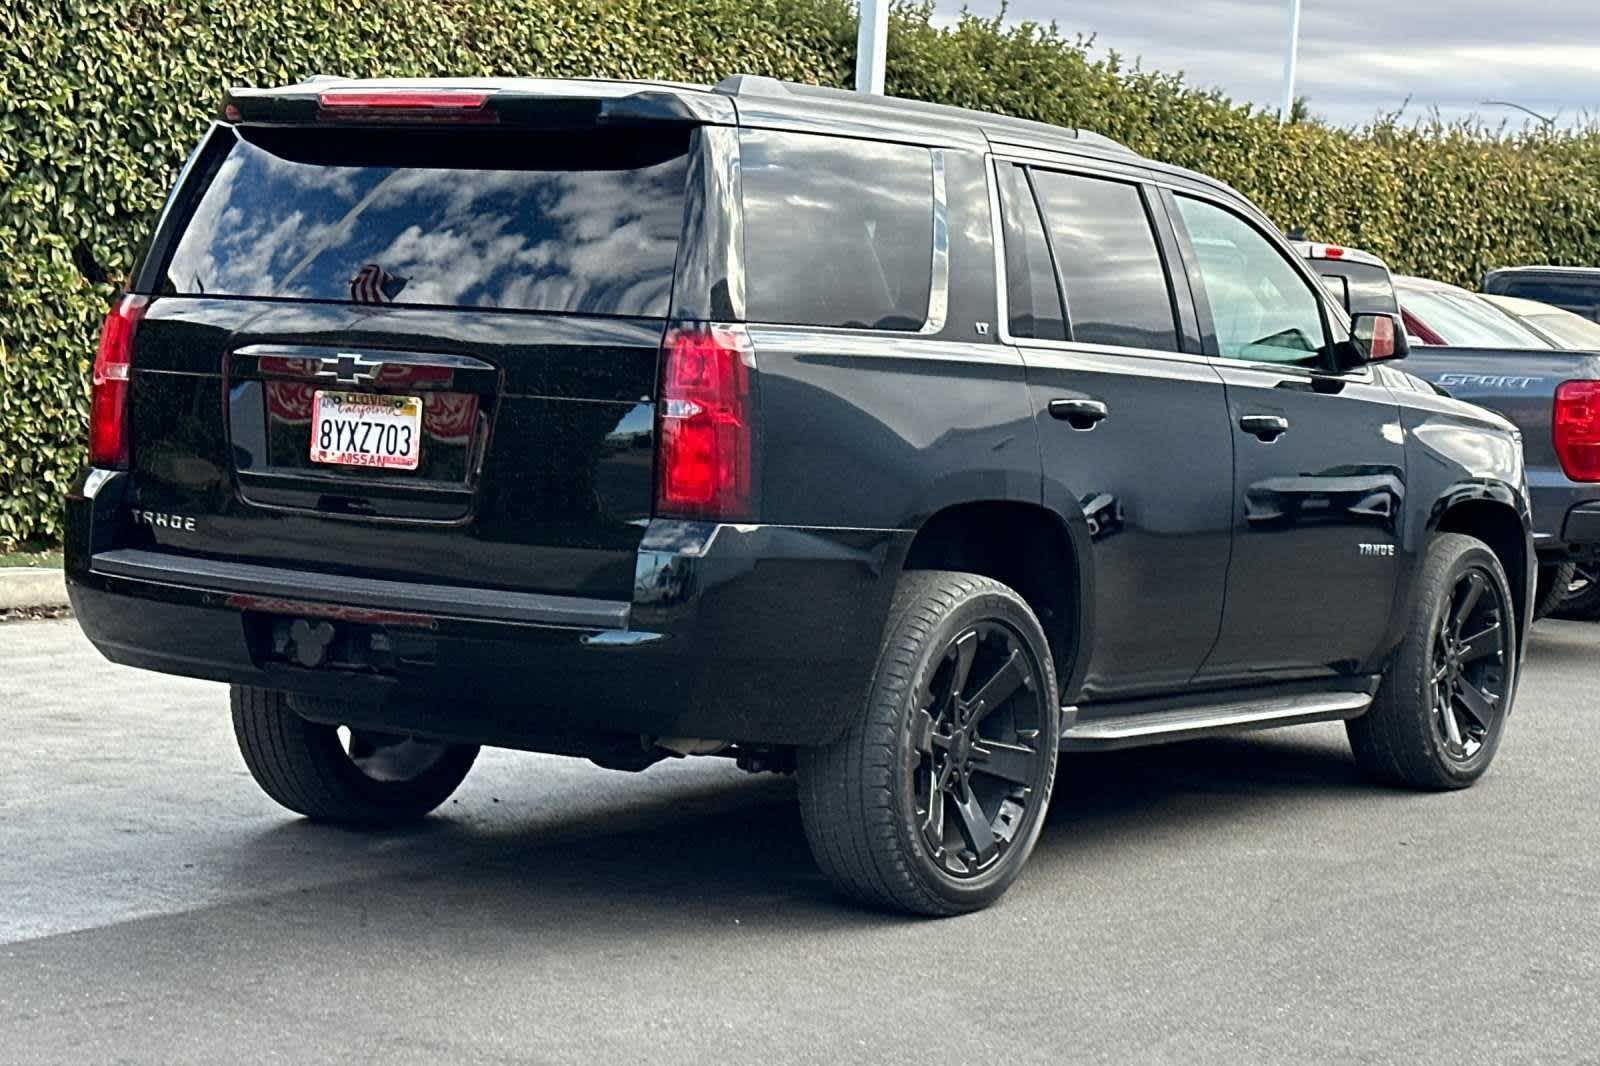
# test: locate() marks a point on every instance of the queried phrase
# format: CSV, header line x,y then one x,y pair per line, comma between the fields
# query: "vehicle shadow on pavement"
x,y
734,852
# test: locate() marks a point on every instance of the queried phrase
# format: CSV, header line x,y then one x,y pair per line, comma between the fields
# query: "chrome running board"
x,y
1220,719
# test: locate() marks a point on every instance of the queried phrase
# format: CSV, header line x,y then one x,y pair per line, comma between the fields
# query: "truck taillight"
x,y
108,396
1575,429
706,419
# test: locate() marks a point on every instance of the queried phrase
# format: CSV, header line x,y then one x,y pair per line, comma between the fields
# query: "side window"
x,y
1261,308
838,232
1111,270
1033,302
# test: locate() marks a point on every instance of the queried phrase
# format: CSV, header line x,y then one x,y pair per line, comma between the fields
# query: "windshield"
x,y
1462,319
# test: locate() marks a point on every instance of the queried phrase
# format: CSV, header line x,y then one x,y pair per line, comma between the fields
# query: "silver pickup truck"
x,y
1468,347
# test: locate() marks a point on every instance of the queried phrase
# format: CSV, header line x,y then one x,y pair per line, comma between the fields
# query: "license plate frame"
x,y
366,430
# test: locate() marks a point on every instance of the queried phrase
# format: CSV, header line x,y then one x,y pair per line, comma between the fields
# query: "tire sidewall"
x,y
1457,772
992,605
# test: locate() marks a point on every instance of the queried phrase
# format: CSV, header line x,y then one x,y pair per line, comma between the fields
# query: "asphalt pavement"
x,y
1241,901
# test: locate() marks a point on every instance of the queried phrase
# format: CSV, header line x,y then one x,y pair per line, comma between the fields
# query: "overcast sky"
x,y
1357,57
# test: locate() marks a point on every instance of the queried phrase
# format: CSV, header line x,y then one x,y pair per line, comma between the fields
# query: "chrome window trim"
x,y
939,283
787,338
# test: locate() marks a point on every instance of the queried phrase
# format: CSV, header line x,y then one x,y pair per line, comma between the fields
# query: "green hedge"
x,y
100,102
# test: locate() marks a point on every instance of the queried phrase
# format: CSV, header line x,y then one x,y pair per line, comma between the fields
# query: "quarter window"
x,y
1033,301
1111,270
838,232
1261,308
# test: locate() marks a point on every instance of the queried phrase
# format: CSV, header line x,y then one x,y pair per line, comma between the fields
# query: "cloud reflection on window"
x,y
599,240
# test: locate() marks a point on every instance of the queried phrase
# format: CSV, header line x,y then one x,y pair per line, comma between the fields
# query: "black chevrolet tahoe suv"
x,y
896,445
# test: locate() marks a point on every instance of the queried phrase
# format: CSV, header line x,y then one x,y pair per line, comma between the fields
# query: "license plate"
x,y
361,429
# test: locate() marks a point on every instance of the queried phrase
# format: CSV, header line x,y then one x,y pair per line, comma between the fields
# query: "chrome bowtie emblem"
x,y
349,369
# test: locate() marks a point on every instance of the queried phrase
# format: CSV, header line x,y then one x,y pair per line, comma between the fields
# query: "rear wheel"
x,y
933,799
1555,581
1438,717
335,774
1582,600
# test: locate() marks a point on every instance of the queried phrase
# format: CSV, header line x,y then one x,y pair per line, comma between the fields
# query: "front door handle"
x,y
1079,413
1266,427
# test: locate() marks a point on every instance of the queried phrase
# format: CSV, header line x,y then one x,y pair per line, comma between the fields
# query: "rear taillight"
x,y
108,399
707,424
1575,429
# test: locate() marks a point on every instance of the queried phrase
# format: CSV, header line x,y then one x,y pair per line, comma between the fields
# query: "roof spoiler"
x,y
545,104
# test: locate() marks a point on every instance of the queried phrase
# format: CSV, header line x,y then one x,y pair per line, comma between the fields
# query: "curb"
x,y
25,587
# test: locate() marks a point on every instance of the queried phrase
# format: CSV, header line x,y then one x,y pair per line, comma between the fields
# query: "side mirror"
x,y
1376,337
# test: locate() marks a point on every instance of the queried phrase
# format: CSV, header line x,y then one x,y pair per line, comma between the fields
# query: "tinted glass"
x,y
1262,309
1579,297
1033,301
1368,289
1338,288
837,232
1464,319
1111,271
584,222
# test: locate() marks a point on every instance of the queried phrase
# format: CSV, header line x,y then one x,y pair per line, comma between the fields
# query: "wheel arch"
x,y
1027,547
1500,525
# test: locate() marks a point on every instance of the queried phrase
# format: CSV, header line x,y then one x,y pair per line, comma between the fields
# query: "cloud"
x,y
1357,57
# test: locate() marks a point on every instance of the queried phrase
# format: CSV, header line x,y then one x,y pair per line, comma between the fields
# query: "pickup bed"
x,y
1522,386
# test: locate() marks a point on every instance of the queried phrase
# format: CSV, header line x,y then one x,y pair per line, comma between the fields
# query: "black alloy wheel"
x,y
934,796
1440,712
979,749
1470,680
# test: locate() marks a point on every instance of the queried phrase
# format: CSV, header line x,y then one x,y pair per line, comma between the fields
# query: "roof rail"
x,y
997,127
750,85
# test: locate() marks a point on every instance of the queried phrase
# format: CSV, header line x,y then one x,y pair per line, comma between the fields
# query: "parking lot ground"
x,y
1242,901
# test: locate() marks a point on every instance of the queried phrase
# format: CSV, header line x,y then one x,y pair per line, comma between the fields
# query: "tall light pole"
x,y
1290,61
872,38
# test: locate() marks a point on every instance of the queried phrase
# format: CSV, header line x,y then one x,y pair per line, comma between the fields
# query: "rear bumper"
x,y
759,634
1566,518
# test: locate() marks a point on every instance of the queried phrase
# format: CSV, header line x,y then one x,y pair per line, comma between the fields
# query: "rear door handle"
x,y
1266,427
1079,413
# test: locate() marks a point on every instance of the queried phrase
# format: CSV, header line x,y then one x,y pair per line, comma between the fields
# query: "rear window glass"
x,y
1578,297
575,221
837,232
1338,288
1367,289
